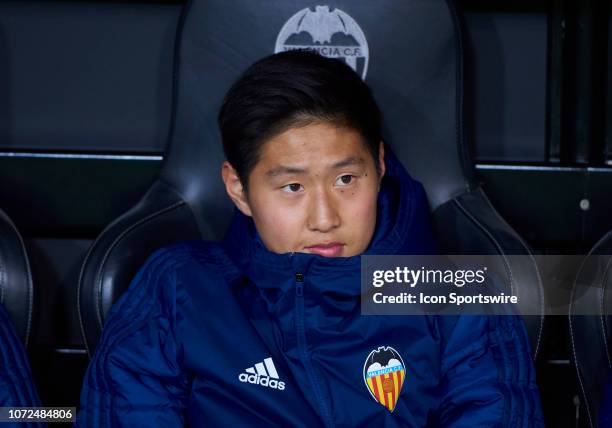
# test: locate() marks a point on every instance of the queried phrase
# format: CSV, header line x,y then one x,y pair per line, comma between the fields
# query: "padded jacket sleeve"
x,y
488,375
16,384
605,409
134,378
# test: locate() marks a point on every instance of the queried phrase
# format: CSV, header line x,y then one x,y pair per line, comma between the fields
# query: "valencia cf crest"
x,y
328,31
384,374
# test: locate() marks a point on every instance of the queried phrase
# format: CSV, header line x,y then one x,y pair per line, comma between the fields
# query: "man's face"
x,y
314,190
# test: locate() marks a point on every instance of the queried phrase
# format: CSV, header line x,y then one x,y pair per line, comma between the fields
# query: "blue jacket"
x,y
231,334
16,384
605,409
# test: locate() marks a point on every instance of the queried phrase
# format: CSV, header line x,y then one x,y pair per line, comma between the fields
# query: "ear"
x,y
381,162
234,189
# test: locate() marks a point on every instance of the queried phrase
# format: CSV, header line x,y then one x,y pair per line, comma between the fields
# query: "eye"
x,y
292,188
345,179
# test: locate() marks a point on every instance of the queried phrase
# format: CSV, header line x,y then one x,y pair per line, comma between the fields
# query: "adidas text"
x,y
262,380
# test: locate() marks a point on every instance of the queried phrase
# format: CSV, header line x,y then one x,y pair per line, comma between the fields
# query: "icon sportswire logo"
x,y
263,374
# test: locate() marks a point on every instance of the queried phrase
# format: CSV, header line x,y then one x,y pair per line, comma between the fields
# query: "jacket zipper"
x,y
303,350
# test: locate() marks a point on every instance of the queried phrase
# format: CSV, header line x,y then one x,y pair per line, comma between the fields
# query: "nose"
x,y
323,215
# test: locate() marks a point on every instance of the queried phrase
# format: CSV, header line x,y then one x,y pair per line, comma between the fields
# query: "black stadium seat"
x,y
16,288
417,85
590,325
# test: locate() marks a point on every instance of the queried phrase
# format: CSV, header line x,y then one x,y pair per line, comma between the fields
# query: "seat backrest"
x,y
408,51
16,288
590,322
416,84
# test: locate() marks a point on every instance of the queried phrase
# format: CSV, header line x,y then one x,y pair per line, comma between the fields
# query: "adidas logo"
x,y
263,374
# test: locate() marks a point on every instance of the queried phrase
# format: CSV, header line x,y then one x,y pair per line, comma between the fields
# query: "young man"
x,y
264,328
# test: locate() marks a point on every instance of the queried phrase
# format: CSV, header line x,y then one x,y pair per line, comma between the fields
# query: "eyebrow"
x,y
286,170
352,160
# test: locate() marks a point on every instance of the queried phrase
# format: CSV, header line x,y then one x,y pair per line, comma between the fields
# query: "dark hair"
x,y
292,89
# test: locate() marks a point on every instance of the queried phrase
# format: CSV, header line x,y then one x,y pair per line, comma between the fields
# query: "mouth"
x,y
330,249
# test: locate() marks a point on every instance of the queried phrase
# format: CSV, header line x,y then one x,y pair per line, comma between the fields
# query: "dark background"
x,y
85,99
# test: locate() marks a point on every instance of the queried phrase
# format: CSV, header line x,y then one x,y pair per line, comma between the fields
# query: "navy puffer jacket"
x,y
230,334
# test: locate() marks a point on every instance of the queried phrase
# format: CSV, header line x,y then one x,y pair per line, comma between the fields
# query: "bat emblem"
x,y
384,374
331,33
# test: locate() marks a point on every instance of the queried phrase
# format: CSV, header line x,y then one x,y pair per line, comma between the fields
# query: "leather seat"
x,y
16,289
590,320
410,53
